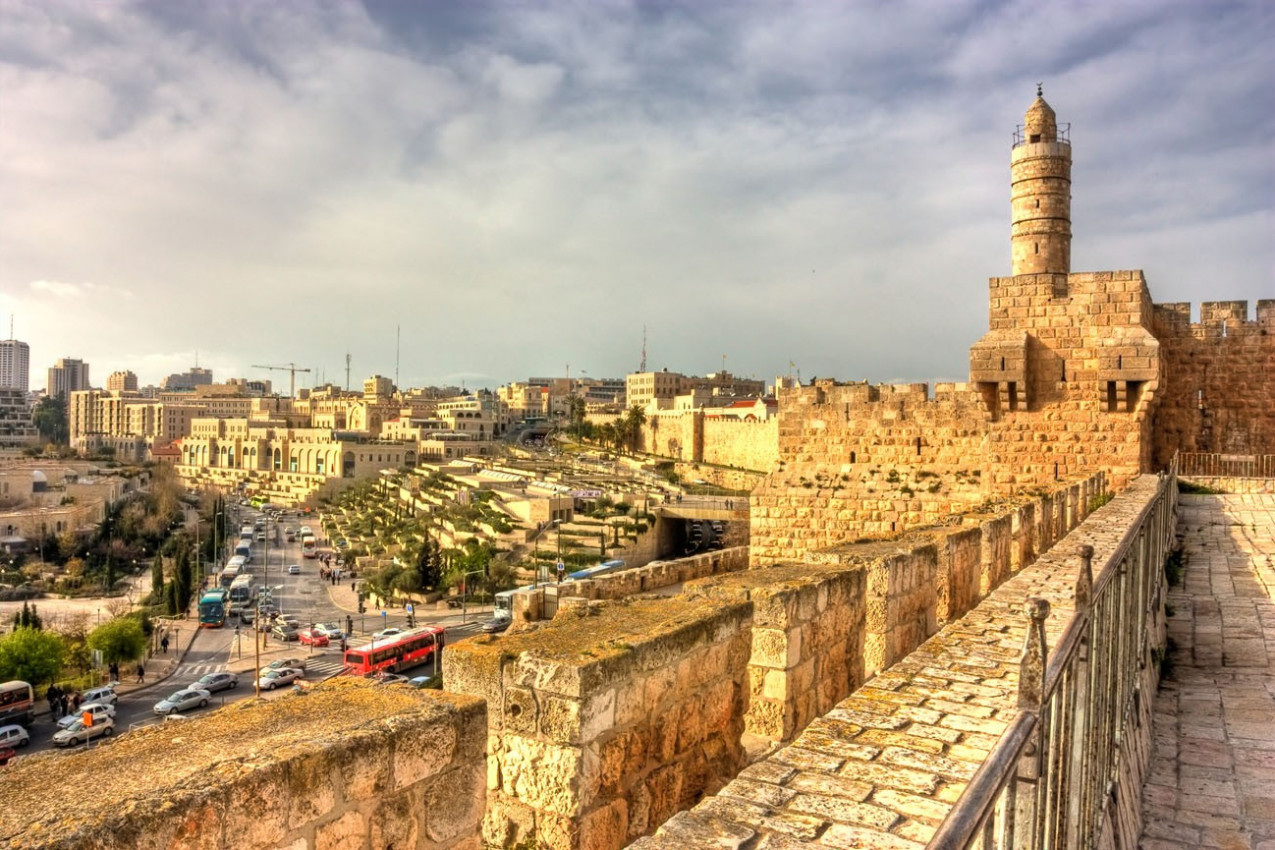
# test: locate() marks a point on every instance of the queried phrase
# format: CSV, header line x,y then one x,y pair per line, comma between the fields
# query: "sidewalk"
x,y
1212,777
437,614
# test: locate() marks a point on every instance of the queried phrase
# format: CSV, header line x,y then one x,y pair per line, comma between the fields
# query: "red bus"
x,y
399,652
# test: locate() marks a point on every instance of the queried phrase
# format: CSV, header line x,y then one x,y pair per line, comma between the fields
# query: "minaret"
x,y
1040,194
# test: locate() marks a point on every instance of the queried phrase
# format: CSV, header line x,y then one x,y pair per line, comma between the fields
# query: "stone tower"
x,y
1040,195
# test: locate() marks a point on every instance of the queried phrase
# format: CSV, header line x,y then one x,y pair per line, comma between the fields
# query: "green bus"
x,y
212,608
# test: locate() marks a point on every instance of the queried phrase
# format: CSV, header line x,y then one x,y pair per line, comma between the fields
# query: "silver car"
x,y
183,700
214,682
78,733
278,678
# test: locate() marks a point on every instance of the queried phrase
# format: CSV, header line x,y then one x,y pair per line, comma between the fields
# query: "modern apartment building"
x,y
15,365
66,376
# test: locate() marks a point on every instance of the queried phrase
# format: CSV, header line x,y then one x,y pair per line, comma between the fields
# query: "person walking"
x,y
54,705
163,645
141,673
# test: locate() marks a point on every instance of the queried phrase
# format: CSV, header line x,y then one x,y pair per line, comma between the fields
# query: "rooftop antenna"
x,y
642,368
347,371
397,338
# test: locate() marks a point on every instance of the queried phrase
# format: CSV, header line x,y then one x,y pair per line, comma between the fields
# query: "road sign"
x,y
409,609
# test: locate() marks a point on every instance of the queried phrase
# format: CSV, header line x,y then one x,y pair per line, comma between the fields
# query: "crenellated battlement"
x,y
1217,319
831,393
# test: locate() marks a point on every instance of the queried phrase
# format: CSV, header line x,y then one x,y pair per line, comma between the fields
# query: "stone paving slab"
x,y
1212,777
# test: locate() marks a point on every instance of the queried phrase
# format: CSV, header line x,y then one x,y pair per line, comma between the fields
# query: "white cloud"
x,y
524,186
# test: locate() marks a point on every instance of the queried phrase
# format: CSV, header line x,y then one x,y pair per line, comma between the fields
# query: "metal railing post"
x,y
1025,826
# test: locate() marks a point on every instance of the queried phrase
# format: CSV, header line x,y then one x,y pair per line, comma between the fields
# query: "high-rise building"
x,y
15,365
124,381
67,376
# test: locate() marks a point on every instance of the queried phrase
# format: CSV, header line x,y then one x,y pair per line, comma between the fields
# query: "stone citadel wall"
x,y
884,767
1220,392
696,437
613,716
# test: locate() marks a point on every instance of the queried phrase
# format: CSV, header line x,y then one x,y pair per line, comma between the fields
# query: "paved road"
x,y
215,650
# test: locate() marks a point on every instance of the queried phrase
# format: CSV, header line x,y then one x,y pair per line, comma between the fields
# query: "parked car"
x,y
7,754
278,678
294,663
78,733
100,711
105,695
285,633
312,637
14,736
214,682
183,700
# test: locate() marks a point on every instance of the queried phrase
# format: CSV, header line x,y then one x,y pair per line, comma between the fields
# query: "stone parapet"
x,y
885,766
609,719
346,764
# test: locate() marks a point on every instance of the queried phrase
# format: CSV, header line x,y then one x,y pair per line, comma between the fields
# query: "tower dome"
x,y
1040,124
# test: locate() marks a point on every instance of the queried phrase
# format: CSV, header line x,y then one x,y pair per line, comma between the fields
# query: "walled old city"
x,y
949,626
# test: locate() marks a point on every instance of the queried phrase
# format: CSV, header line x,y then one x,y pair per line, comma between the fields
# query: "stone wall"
x,y
608,719
696,436
345,765
1219,396
656,575
748,445
884,767
806,640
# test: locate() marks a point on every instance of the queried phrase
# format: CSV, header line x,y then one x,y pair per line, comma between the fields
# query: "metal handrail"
x,y
1063,745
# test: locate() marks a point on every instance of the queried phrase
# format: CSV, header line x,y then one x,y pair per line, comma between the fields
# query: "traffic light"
x,y
362,607
411,621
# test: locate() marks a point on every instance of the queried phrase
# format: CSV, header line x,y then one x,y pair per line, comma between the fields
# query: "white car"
x,y
279,678
14,736
282,663
183,700
105,694
390,632
100,711
294,570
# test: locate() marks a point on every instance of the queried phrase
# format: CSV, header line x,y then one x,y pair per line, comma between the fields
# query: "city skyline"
x,y
519,189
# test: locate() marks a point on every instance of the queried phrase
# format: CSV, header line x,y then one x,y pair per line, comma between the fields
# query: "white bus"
x,y
234,567
308,547
242,591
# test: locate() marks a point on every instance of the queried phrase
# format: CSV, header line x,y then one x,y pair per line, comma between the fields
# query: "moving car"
x,y
214,682
312,637
332,630
100,711
384,633
497,625
294,663
285,633
183,700
13,736
78,733
278,678
294,570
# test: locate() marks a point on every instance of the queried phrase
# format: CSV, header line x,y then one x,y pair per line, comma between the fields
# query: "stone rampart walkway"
x,y
1212,778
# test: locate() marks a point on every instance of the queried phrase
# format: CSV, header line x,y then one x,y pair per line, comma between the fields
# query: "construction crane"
x,y
291,368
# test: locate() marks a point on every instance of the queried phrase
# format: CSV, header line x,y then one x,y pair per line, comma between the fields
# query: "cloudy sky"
x,y
522,187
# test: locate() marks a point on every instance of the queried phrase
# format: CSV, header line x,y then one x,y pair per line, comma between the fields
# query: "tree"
x,y
28,618
121,639
428,568
31,655
632,427
49,418
157,576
